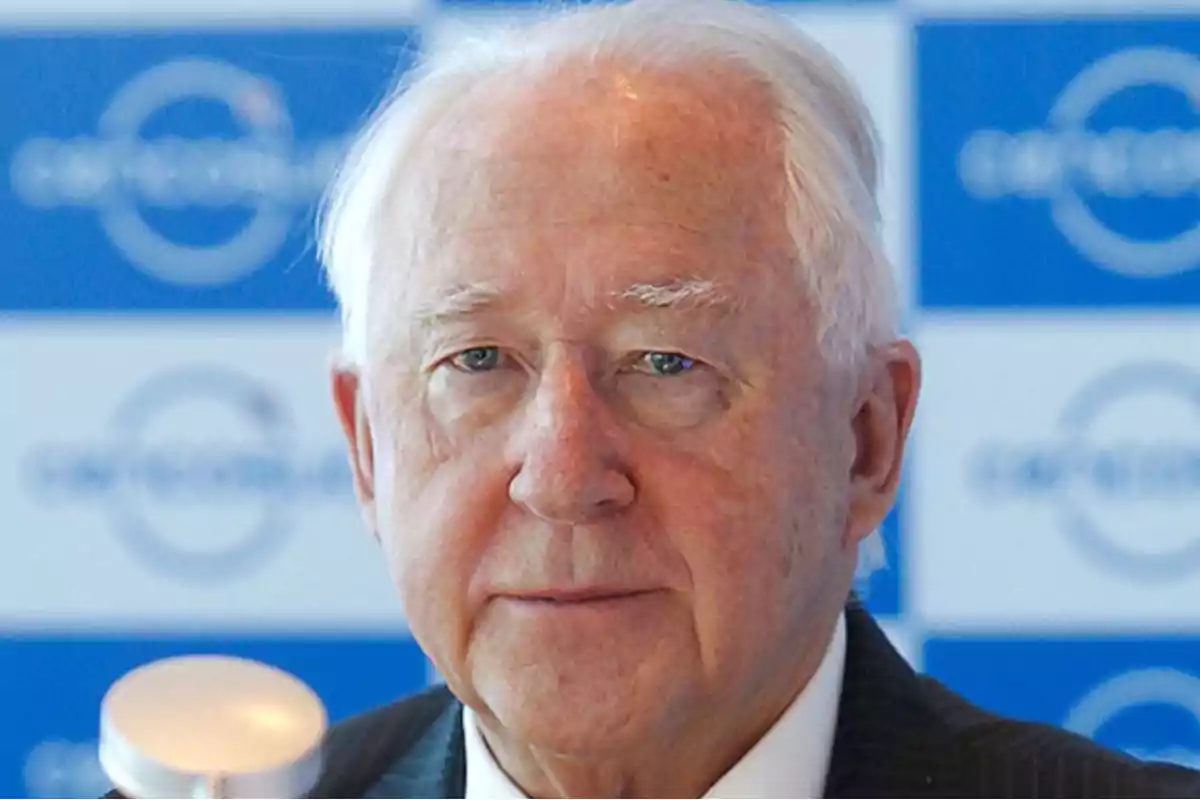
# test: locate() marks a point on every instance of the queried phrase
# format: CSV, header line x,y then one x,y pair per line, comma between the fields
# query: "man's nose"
x,y
571,468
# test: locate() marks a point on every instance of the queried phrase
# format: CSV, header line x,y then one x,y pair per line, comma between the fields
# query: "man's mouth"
x,y
579,595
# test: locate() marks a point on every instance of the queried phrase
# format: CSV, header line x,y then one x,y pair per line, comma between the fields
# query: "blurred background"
x,y
171,475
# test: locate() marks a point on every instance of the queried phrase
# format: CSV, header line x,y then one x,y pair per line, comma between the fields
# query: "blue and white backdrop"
x,y
171,478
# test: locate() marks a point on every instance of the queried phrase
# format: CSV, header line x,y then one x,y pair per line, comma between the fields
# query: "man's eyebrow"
x,y
464,300
457,301
678,293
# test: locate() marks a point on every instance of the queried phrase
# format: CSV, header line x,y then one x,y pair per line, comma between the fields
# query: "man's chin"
x,y
576,718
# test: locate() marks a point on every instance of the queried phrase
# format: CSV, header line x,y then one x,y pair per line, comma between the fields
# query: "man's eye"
x,y
477,359
665,364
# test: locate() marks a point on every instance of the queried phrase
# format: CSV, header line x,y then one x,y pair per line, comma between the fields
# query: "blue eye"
x,y
667,364
477,359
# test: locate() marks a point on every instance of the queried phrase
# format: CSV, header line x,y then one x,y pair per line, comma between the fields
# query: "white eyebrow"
x,y
465,299
680,293
459,300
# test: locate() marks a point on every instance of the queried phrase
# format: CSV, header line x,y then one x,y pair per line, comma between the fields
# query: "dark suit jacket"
x,y
898,735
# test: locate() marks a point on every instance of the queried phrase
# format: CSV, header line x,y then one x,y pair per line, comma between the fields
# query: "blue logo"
x,y
200,473
1137,695
1066,163
131,179
1060,164
169,170
1123,471
1102,713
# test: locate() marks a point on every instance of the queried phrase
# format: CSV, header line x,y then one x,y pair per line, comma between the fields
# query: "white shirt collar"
x,y
791,760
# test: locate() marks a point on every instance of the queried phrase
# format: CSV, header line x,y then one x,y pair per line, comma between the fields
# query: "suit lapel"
x,y
433,766
411,748
888,742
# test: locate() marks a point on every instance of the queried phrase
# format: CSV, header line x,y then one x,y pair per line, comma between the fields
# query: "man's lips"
x,y
577,596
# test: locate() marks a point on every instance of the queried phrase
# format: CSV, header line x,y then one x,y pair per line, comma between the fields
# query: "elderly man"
x,y
623,394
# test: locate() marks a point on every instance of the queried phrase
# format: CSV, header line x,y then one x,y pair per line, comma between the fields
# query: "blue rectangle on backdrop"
x,y
167,171
1059,163
1140,695
52,690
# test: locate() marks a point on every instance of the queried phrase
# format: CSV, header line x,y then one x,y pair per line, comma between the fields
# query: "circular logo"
x,y
1082,164
1139,688
1123,471
200,472
211,166
1129,466
1162,154
203,482
245,183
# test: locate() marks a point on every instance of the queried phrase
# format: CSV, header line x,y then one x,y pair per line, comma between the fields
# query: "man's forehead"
x,y
564,106
620,196
691,146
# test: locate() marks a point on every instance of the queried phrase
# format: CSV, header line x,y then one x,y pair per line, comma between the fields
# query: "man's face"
x,y
604,457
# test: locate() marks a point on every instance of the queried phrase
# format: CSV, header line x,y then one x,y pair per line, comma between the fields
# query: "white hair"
x,y
831,160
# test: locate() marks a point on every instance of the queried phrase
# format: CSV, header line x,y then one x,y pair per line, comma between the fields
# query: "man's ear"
x,y
885,406
351,411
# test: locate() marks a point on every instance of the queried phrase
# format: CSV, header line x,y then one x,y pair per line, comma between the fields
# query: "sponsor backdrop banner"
x,y
171,473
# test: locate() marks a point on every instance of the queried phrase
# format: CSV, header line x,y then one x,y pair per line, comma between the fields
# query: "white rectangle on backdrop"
x,y
172,474
1055,473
